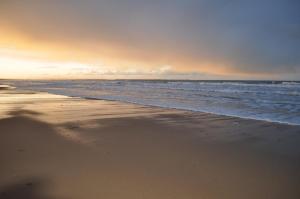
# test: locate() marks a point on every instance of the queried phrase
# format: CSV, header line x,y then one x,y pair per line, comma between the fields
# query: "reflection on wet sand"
x,y
60,109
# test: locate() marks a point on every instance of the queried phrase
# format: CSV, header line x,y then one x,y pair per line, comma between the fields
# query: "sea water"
x,y
276,101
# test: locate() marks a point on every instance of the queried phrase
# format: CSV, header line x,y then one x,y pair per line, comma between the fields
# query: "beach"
x,y
53,146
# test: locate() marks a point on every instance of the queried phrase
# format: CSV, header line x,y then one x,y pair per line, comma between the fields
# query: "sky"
x,y
172,39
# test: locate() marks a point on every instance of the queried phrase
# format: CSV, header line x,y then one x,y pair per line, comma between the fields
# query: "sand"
x,y
59,147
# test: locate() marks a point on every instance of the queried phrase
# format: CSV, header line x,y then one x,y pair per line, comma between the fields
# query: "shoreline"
x,y
189,110
172,108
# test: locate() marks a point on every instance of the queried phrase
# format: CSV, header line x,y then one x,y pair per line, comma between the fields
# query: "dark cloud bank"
x,y
259,36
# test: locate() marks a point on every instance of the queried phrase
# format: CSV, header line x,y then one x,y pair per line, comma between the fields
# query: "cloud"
x,y
258,36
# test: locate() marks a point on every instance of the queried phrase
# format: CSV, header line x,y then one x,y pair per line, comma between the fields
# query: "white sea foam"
x,y
270,101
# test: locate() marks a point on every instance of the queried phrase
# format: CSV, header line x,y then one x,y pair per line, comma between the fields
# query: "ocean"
x,y
275,101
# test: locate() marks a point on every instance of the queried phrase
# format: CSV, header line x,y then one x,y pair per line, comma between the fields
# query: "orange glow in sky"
x,y
105,39
24,57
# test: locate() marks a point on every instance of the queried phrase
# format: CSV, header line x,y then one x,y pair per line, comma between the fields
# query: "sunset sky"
x,y
182,39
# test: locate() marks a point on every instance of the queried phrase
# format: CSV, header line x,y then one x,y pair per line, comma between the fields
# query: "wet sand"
x,y
59,147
